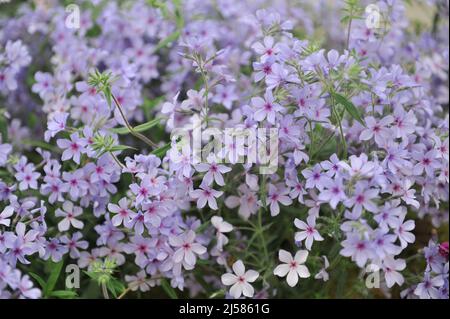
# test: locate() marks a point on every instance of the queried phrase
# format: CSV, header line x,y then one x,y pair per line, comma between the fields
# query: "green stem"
x,y
129,127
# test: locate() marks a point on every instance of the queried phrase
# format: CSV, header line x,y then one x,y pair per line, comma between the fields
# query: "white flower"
x,y
309,232
323,274
222,227
292,267
69,213
239,281
5,214
390,267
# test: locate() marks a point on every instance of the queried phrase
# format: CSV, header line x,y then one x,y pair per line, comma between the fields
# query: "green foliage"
x,y
3,126
102,81
168,289
349,107
352,10
103,144
139,128
161,151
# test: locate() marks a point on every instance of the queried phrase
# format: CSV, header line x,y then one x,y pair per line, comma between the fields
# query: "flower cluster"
x,y
181,142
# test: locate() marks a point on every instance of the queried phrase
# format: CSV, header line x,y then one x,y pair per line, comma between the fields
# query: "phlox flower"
x,y
74,244
27,177
69,212
55,125
5,214
359,165
27,289
428,288
140,281
277,194
266,108
292,266
267,49
403,230
213,171
315,177
359,249
221,228
240,280
333,192
247,201
225,95
362,198
426,162
323,274
206,195
44,85
308,232
54,250
186,249
73,148
377,129
5,149
391,268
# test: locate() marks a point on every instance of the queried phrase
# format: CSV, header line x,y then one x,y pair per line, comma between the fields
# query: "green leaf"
x,y
139,128
349,106
54,275
94,32
161,151
3,129
166,41
64,294
39,279
168,289
120,148
149,105
115,287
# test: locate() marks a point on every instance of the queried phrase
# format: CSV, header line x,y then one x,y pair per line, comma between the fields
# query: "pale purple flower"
x,y
27,289
362,198
403,230
377,129
308,232
73,148
427,161
56,124
5,214
206,195
315,177
44,85
5,149
428,288
27,177
77,186
74,244
277,194
266,108
357,248
391,268
54,250
122,213
225,95
267,49
186,249
333,192
213,171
